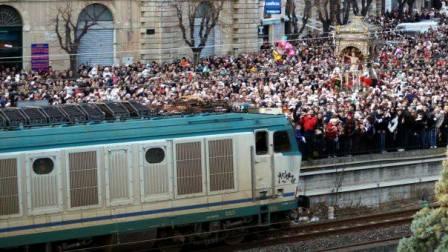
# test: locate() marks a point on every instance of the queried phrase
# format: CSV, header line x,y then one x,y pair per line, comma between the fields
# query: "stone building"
x,y
114,39
126,31
136,30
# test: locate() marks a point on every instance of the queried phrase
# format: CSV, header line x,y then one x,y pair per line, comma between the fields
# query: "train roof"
x,y
135,130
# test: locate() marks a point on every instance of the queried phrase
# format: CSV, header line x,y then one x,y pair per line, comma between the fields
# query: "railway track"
x,y
310,231
259,237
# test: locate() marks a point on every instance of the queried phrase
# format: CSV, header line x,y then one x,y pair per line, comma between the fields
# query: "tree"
x,y
323,14
402,4
430,226
331,13
365,6
294,31
70,31
187,12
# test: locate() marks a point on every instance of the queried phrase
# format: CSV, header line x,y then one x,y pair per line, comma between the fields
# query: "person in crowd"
x,y
309,123
332,136
403,103
380,125
391,136
349,132
300,138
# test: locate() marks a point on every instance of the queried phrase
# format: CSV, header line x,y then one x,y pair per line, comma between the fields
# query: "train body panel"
x,y
73,182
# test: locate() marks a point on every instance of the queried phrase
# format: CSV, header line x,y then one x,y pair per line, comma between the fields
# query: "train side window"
x,y
261,142
281,141
155,155
43,166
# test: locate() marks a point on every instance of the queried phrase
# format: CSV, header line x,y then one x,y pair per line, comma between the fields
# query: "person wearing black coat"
x,y
431,136
381,123
349,131
402,129
444,128
421,126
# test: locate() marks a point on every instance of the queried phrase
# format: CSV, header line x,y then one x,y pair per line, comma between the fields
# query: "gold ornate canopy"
x,y
356,38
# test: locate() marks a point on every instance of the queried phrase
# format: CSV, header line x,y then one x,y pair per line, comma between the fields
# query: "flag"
x,y
277,56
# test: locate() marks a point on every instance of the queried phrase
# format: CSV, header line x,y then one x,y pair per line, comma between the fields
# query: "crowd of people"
x,y
400,100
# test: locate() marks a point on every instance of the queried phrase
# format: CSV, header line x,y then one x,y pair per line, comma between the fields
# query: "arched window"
x,y
10,37
9,16
97,45
95,13
204,9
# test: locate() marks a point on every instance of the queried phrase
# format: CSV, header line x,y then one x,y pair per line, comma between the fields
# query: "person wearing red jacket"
x,y
332,136
308,123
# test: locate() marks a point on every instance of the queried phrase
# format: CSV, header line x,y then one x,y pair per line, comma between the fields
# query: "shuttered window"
x,y
221,164
189,168
83,179
9,189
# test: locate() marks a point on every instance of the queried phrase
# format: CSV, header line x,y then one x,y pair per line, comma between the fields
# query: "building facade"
x,y
127,31
27,24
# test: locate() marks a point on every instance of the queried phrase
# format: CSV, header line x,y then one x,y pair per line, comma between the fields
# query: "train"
x,y
157,177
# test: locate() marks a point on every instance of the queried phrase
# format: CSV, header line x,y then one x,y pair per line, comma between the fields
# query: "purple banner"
x,y
39,57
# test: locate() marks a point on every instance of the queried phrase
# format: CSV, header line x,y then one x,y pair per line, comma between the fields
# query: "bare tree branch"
x,y
306,15
70,31
365,6
208,19
58,34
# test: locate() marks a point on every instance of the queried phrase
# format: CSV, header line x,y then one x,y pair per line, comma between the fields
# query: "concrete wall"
x,y
371,180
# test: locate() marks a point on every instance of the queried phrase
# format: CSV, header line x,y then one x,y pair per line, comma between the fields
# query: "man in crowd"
x,y
408,80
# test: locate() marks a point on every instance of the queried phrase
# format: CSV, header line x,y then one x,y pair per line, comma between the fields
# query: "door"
x,y
156,171
285,164
96,46
209,47
263,172
118,176
44,183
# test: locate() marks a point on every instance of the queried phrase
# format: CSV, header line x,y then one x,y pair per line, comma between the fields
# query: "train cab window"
x,y
43,166
281,141
261,142
155,155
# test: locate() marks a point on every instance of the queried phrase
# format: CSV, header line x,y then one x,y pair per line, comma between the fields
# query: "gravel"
x,y
335,241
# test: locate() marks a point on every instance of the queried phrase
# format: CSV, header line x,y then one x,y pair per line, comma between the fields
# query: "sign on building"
x,y
273,7
39,57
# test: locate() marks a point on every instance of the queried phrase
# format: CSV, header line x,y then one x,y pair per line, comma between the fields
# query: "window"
x,y
43,166
281,142
155,155
261,142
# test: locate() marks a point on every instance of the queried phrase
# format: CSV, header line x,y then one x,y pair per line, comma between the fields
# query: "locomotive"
x,y
161,176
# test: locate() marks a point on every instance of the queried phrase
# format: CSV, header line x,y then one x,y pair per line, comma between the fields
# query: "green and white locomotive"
x,y
168,176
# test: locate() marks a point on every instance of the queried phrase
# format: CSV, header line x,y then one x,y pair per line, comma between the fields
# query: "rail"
x,y
311,231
